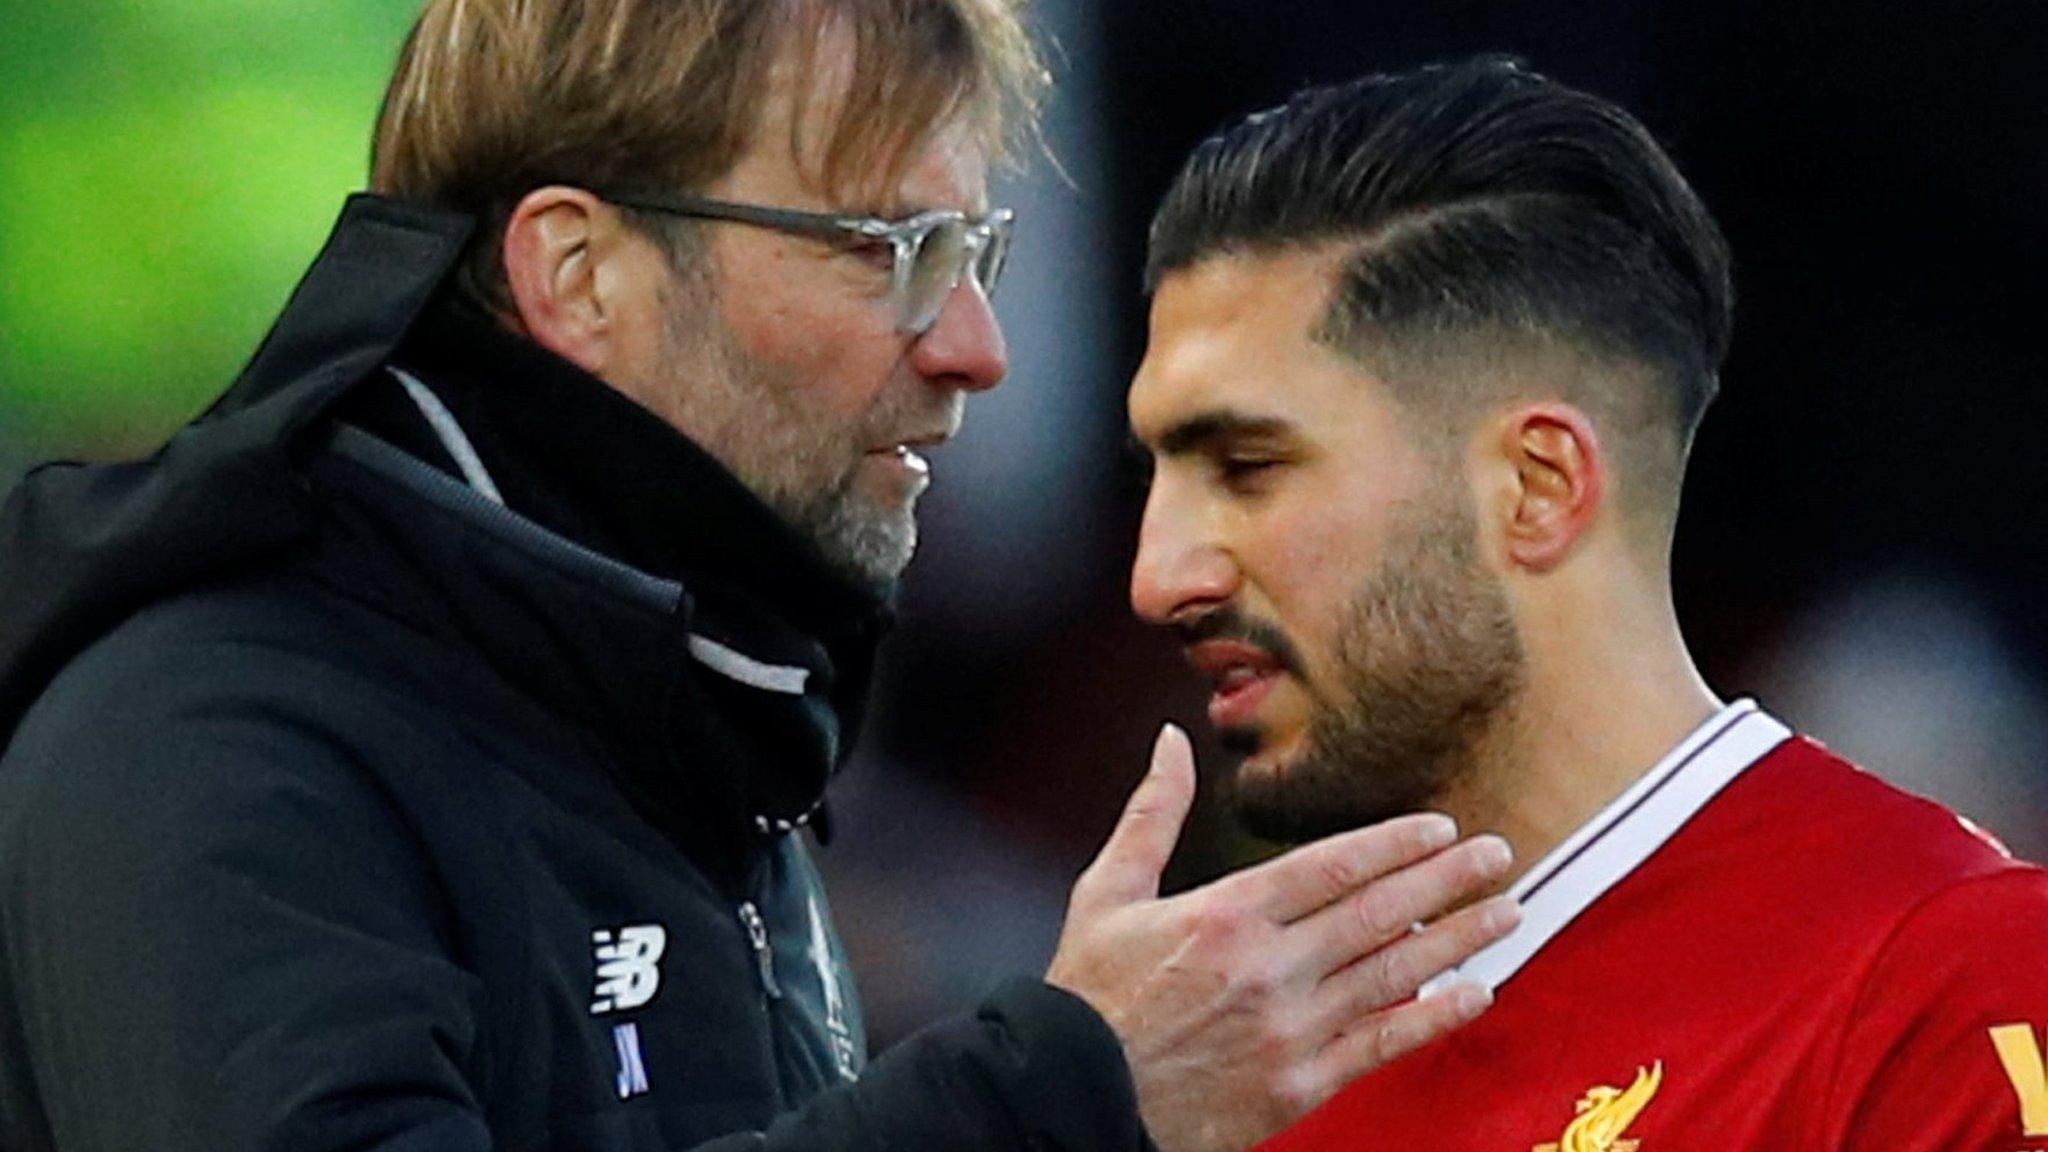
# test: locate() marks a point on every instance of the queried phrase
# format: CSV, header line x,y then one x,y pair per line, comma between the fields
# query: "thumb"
x,y
1128,867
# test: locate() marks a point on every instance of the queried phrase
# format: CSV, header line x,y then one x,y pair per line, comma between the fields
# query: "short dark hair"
x,y
1480,200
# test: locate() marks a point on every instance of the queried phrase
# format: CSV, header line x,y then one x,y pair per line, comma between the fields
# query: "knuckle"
x,y
1216,925
1088,879
1375,917
1383,973
1283,1035
1391,1038
1338,872
1296,1089
1472,933
1273,1047
1082,896
1256,982
1375,1047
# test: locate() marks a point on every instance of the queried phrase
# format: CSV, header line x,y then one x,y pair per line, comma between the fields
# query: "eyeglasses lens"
x,y
995,253
934,272
947,251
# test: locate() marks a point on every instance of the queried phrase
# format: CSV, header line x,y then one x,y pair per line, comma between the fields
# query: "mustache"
x,y
915,417
1227,623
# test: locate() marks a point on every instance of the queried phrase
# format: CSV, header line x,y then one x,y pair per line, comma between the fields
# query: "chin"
x,y
1259,751
869,541
1289,793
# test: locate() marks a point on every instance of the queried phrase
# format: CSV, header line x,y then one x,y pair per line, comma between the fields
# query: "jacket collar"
x,y
766,693
573,454
720,718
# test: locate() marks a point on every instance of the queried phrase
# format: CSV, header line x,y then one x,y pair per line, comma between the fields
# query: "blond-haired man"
x,y
417,753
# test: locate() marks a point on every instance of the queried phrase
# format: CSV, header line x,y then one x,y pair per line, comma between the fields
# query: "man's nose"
x,y
964,346
1178,572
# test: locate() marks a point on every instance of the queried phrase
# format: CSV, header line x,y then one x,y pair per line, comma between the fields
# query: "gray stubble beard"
x,y
758,425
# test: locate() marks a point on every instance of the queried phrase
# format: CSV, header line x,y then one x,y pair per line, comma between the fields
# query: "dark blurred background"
x,y
1858,544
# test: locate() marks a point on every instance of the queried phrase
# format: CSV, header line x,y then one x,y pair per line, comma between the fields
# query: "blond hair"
x,y
494,98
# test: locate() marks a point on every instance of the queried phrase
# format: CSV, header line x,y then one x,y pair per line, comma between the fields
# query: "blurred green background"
x,y
167,168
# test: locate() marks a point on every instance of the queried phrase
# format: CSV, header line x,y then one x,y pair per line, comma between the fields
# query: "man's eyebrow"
x,y
1207,428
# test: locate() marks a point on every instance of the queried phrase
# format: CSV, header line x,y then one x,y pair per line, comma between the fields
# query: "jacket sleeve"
x,y
1945,1047
219,937
1034,1068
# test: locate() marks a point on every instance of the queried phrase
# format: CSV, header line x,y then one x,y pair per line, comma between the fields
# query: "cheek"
x,y
838,355
1313,559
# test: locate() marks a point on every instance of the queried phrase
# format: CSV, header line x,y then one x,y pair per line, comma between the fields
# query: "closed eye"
x,y
879,254
1241,453
1246,473
1244,465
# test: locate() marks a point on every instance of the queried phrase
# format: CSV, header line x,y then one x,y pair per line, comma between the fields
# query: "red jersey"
x,y
1758,946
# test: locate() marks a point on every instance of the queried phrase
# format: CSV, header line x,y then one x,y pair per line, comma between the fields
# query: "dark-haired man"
x,y
1427,355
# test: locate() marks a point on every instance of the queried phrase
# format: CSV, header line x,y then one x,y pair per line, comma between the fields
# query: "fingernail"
x,y
1437,830
1167,731
1501,915
1494,854
1473,999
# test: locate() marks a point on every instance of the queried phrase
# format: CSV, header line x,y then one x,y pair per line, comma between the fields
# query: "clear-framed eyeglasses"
x,y
930,251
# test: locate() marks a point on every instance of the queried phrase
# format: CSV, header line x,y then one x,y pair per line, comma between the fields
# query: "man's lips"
x,y
901,456
905,453
1241,673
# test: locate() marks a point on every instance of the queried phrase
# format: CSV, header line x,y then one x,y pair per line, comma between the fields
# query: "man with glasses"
x,y
418,751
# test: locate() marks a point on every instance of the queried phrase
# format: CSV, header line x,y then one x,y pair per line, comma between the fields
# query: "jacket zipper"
x,y
764,957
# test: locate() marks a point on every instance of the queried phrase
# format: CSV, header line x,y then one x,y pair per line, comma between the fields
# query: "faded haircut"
x,y
1501,234
494,98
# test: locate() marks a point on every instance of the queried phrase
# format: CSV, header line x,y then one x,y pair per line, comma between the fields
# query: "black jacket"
x,y
342,807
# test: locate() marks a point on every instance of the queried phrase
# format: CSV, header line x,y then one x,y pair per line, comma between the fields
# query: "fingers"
x,y
1365,921
1383,1038
1312,877
1130,863
1395,973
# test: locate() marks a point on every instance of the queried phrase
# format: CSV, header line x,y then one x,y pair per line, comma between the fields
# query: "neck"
x,y
1599,708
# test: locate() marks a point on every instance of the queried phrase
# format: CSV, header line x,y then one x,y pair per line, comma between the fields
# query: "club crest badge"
x,y
1605,1114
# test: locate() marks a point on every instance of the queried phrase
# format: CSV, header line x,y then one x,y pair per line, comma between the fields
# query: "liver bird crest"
x,y
1604,1115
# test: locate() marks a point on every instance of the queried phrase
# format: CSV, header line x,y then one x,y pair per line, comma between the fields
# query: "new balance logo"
x,y
628,967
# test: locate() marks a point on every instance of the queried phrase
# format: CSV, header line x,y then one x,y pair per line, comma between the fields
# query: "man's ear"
x,y
1561,479
555,245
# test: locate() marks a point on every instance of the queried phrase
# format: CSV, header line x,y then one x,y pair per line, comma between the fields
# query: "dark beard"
x,y
1429,661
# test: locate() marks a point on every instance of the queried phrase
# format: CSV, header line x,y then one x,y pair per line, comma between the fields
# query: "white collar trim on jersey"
x,y
1614,843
